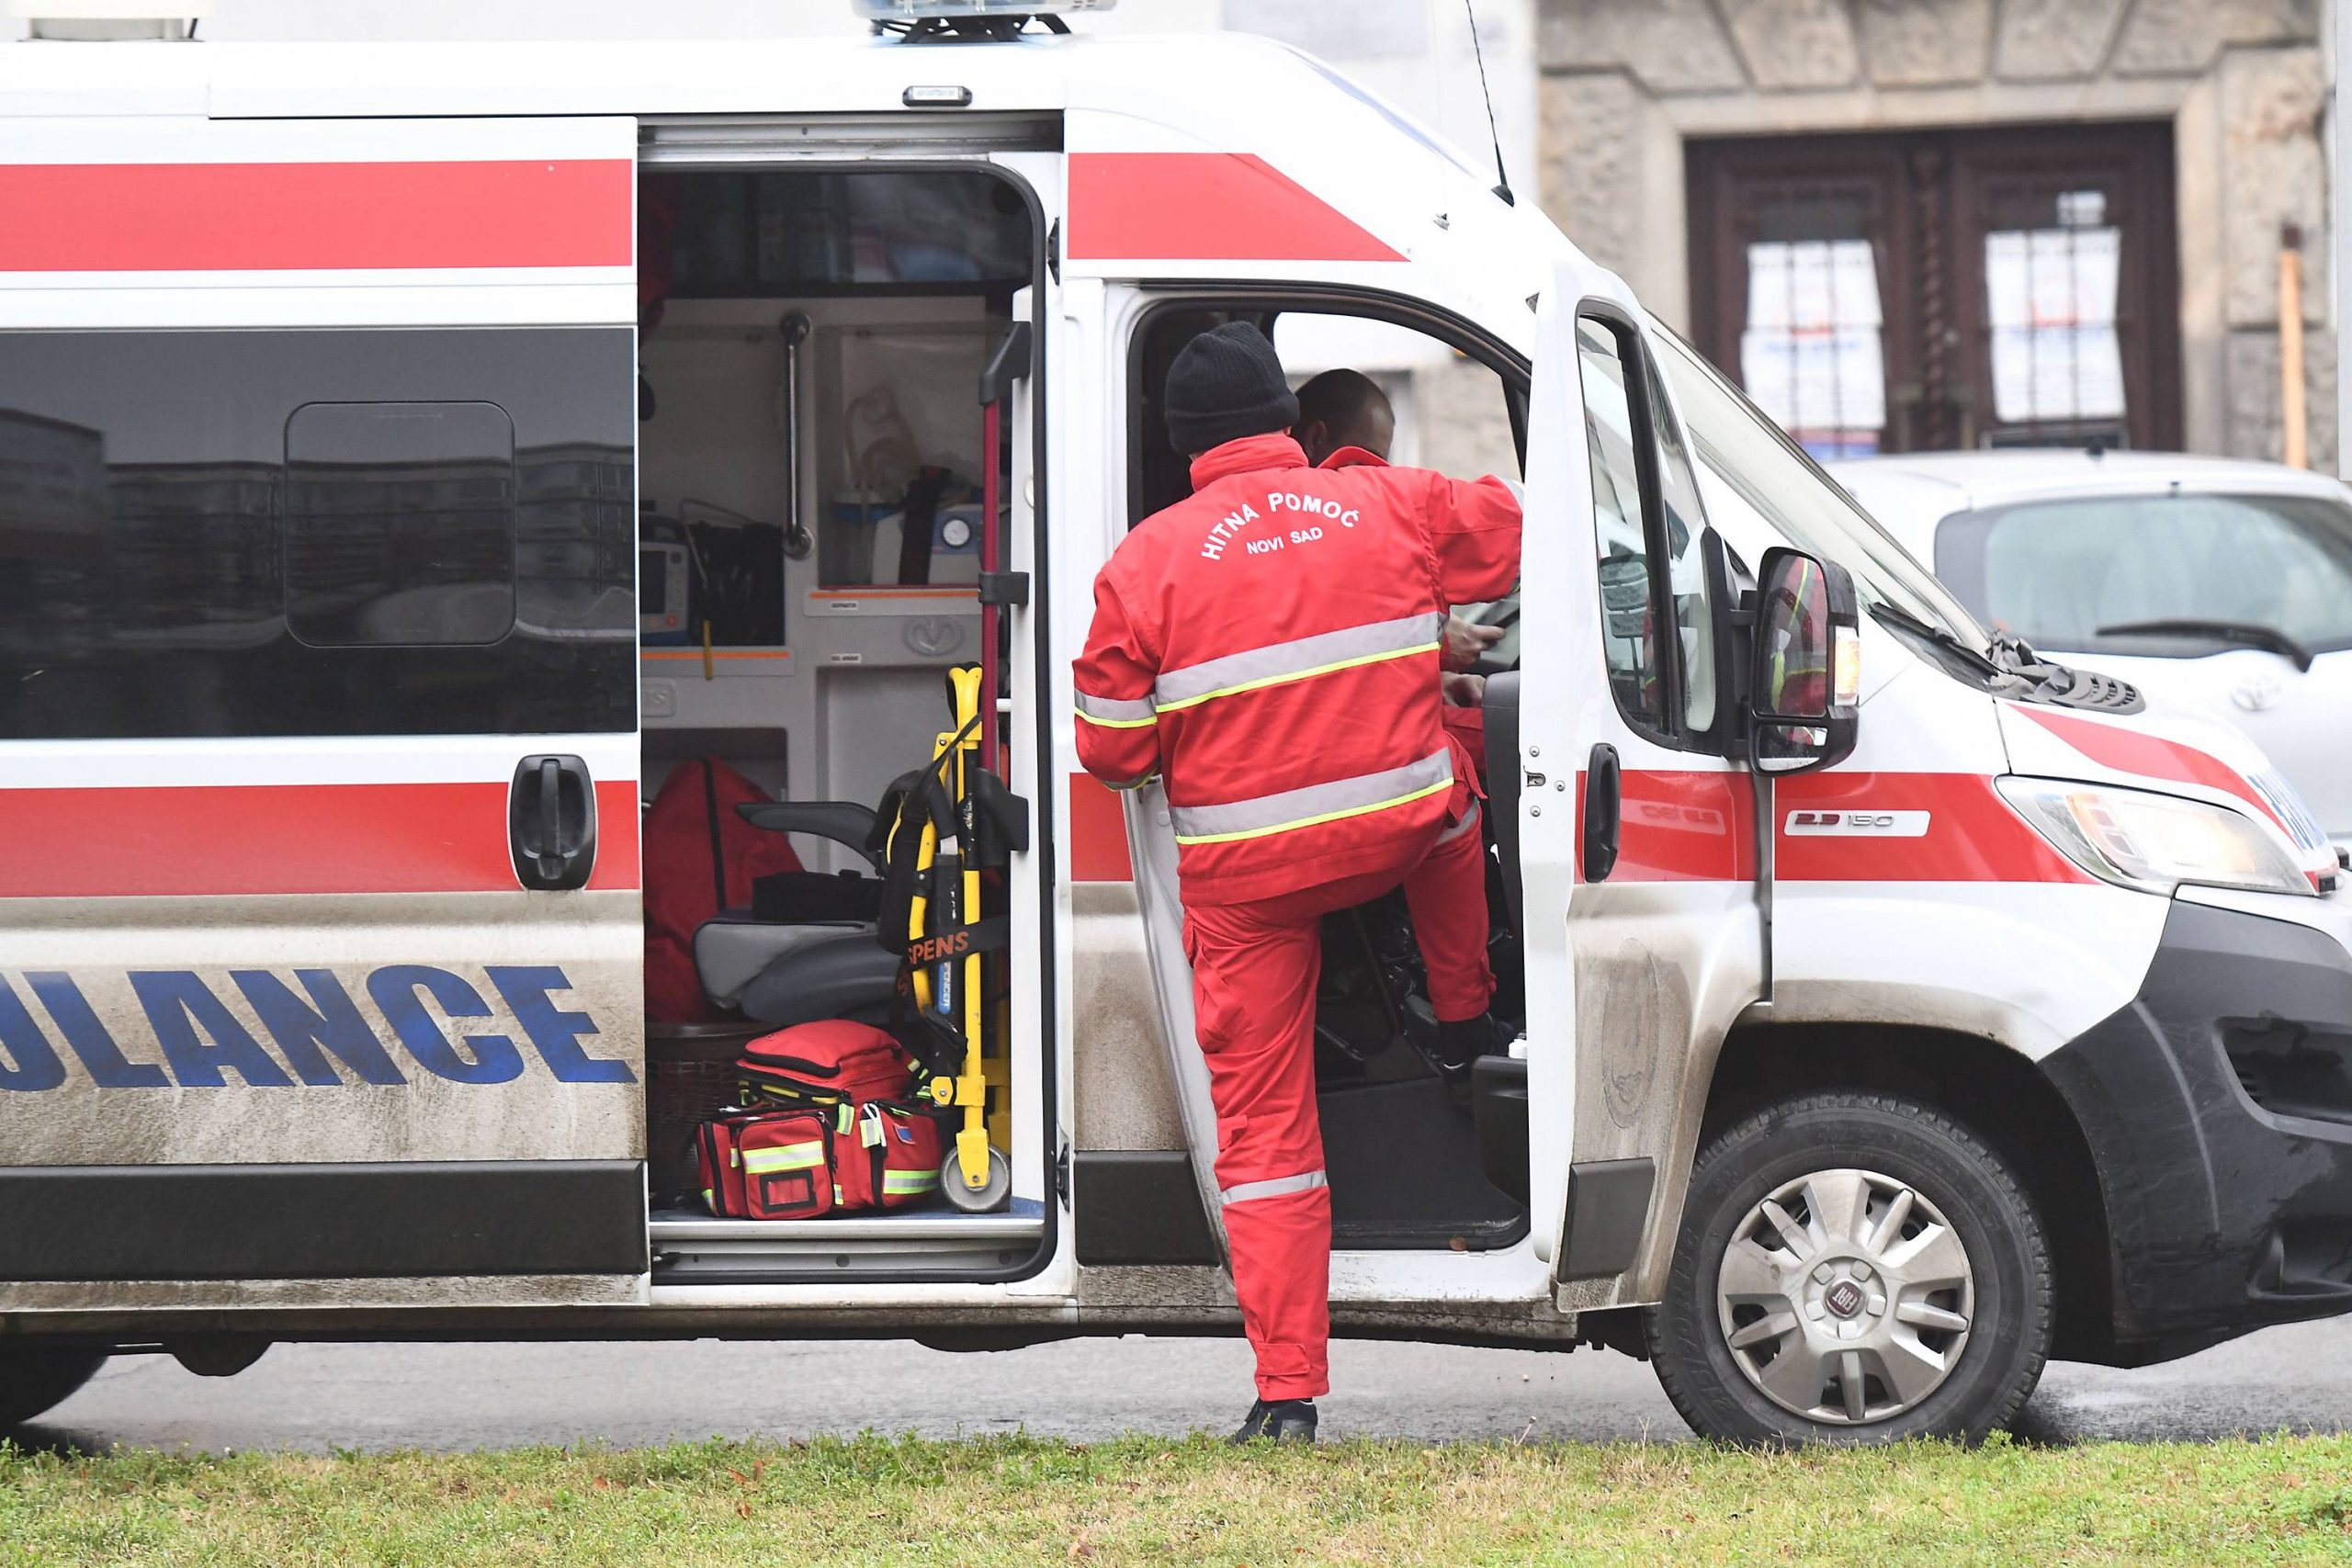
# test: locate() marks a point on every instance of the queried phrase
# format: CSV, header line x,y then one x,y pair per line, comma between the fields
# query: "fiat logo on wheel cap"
x,y
1845,1298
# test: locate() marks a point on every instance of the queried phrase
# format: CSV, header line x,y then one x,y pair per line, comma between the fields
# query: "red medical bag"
x,y
825,1064
830,1127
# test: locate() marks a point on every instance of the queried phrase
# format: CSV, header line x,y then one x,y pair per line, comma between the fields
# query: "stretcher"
x,y
955,823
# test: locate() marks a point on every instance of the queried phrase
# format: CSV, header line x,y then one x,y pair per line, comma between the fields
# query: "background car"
x,y
2217,587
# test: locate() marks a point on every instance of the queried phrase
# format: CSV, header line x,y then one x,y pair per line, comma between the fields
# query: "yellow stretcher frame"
x,y
971,1178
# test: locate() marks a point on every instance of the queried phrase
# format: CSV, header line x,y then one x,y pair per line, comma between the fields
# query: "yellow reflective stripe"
x,y
789,1156
1330,801
1288,676
1116,713
1119,723
1317,820
909,1180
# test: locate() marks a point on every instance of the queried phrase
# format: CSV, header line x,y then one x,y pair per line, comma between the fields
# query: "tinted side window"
x,y
1658,631
1630,625
215,533
400,523
1686,569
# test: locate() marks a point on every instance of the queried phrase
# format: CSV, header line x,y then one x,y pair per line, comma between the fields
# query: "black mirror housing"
x,y
1804,664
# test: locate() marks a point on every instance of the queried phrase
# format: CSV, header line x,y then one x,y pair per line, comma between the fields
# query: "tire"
x,y
1786,1251
33,1380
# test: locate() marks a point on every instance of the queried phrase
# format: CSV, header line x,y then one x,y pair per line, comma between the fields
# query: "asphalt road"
x,y
469,1396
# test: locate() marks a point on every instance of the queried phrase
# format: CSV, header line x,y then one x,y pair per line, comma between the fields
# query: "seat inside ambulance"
x,y
816,477
1408,1166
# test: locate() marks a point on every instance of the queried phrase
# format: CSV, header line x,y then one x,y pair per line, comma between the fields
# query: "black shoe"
x,y
1462,1042
1281,1421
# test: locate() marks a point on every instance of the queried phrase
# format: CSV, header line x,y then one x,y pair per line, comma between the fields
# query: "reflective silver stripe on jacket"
x,y
1275,1186
1116,713
1469,824
1296,661
1294,809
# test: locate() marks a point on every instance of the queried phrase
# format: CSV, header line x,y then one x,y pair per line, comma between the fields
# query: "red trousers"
x,y
1254,972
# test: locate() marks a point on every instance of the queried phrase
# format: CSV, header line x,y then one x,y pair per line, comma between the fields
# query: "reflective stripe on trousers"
x,y
1294,809
1299,659
1275,1186
1469,824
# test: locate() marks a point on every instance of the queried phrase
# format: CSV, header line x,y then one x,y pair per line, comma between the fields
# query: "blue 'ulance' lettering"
x,y
32,1062
330,1020
555,1032
178,1005
395,991
107,1066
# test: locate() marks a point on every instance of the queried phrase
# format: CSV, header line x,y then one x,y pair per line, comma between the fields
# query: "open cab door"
x,y
1635,832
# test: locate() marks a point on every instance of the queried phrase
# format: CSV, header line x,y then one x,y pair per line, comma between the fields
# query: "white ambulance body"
x,y
1848,1092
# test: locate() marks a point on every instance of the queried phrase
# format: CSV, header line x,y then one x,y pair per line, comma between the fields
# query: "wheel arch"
x,y
1998,1093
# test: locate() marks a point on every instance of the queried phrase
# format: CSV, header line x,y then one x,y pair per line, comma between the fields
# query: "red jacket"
x,y
1270,648
1466,726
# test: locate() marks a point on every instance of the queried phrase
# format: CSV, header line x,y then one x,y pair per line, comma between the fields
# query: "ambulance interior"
x,y
1417,1158
819,489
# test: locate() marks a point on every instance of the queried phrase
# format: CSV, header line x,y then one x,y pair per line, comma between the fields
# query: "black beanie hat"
x,y
1225,384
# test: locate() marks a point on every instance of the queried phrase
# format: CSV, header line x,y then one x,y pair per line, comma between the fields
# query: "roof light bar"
x,y
903,11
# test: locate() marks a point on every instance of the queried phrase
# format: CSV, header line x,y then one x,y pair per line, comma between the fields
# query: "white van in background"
x,y
2221,588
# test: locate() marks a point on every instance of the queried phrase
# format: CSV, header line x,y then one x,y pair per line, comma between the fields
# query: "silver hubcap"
x,y
1846,1297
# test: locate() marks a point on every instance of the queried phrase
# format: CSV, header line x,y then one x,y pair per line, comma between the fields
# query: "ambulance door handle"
x,y
552,823
1603,810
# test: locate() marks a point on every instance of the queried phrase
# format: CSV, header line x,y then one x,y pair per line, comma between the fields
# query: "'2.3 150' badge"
x,y
1857,824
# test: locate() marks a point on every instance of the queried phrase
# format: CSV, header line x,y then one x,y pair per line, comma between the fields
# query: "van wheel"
x,y
32,1381
1853,1268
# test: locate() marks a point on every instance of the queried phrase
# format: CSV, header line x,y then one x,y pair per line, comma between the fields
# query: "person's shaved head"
x,y
1344,408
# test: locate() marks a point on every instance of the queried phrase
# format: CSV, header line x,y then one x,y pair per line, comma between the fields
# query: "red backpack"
x,y
700,858
830,1125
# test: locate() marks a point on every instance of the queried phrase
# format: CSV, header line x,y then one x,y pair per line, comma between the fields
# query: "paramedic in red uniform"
x,y
1269,650
1345,419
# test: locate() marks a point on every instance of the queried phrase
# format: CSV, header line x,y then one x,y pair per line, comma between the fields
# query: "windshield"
x,y
2072,575
1786,490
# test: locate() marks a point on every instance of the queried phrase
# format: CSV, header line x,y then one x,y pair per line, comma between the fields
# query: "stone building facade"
x,y
1627,87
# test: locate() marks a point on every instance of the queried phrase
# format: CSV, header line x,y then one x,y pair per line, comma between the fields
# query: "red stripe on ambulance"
x,y
1682,825
281,217
1972,834
2137,751
1691,825
282,838
1205,206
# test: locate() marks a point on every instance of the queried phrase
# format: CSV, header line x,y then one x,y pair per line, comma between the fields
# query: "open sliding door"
x,y
320,941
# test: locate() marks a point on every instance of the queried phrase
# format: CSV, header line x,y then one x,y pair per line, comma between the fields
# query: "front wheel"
x,y
32,1381
1853,1268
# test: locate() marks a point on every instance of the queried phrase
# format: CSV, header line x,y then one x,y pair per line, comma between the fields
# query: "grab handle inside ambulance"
x,y
1603,810
552,823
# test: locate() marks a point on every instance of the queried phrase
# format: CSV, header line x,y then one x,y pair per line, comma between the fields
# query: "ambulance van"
x,y
411,456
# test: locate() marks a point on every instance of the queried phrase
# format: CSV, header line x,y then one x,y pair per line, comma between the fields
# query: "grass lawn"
x,y
876,1500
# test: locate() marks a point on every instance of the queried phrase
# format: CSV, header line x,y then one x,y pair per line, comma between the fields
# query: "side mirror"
x,y
1804,664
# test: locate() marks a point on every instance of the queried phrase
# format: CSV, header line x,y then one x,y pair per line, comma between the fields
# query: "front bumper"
x,y
2218,1107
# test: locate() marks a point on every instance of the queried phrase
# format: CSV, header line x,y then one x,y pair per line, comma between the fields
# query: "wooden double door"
x,y
1944,289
